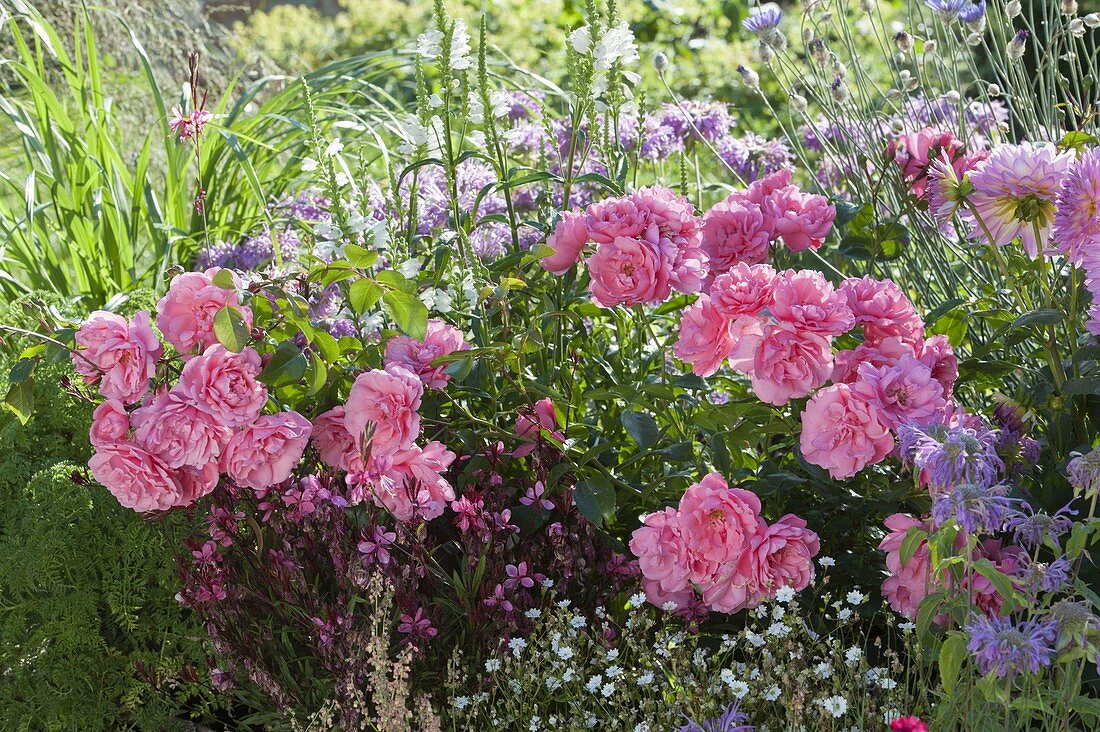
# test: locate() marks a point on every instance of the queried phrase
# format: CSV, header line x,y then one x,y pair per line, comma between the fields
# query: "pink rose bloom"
x,y
265,452
138,479
388,403
662,558
705,337
124,354
734,231
110,424
843,433
806,300
178,432
882,309
887,352
718,523
790,364
567,241
782,555
938,355
903,393
743,290
628,272
196,482
223,384
417,356
907,584
334,443
802,220
185,315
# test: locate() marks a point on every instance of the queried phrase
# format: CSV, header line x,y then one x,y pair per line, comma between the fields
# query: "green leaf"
x,y
363,294
408,312
595,498
641,427
952,655
230,329
224,279
20,399
360,257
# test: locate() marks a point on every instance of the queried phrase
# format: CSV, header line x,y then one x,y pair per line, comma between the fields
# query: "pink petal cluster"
x,y
715,549
185,315
741,228
647,244
118,355
440,340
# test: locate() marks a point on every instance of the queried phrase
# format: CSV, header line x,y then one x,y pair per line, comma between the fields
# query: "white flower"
x,y
739,689
493,664
533,613
581,39
852,655
309,165
645,679
823,670
461,702
827,562
834,705
784,594
460,46
517,645
772,693
617,43
855,597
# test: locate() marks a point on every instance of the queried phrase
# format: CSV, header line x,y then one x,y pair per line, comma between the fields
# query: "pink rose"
x,y
903,393
334,443
567,241
178,432
718,523
138,479
223,384
628,272
782,555
806,300
110,424
882,309
802,220
908,583
938,355
735,232
790,364
662,558
387,401
843,433
185,315
705,337
121,356
743,290
265,452
887,352
417,356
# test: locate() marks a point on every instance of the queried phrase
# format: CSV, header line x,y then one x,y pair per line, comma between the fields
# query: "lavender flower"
x,y
951,455
974,507
731,720
1011,648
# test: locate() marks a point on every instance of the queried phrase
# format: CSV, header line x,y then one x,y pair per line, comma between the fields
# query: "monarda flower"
x,y
1010,648
1014,195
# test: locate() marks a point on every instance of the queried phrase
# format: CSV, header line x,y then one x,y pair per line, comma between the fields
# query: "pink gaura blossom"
x,y
789,364
441,339
782,555
110,424
903,393
735,231
223,384
121,356
568,241
179,432
137,478
843,433
743,290
387,403
805,300
706,337
185,315
265,452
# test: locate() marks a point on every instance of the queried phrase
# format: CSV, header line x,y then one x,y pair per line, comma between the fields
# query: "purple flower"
x,y
974,507
951,455
731,720
1010,648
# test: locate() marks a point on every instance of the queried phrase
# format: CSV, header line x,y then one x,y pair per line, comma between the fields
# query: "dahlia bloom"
x,y
843,433
120,355
1014,195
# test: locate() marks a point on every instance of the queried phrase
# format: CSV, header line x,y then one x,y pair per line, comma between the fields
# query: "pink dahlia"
x,y
843,433
1077,216
1014,195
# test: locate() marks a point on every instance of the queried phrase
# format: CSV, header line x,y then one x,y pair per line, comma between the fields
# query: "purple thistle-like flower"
x,y
763,20
951,456
1077,213
1033,529
731,720
1010,648
975,508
